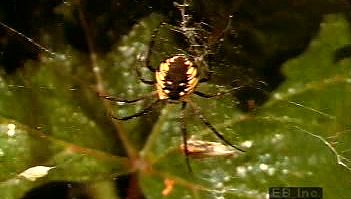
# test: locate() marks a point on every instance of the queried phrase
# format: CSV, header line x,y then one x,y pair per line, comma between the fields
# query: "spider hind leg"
x,y
185,135
212,128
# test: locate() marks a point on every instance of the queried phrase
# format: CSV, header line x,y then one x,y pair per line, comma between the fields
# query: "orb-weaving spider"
x,y
176,80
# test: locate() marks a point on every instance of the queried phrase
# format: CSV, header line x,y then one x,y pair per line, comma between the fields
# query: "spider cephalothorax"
x,y
176,78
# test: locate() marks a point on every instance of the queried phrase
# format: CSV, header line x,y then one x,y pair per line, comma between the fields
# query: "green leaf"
x,y
300,137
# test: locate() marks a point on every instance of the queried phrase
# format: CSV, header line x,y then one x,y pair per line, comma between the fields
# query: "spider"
x,y
176,81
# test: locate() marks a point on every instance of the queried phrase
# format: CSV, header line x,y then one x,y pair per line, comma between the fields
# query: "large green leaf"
x,y
300,137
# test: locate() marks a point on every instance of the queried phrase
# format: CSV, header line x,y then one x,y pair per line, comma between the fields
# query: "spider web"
x,y
51,116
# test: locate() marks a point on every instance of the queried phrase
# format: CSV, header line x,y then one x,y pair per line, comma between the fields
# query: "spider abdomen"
x,y
176,78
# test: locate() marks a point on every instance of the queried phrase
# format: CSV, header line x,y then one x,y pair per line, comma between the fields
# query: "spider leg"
x,y
205,95
145,81
123,101
148,56
139,75
227,28
140,113
209,125
184,134
151,45
206,79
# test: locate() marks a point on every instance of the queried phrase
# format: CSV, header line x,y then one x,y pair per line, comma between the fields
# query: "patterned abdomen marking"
x,y
176,78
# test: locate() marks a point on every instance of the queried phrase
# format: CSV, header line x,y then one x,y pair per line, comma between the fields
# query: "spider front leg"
x,y
150,47
127,101
145,111
146,62
140,77
123,101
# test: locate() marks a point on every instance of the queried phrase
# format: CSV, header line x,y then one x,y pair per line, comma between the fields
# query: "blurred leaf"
x,y
44,122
